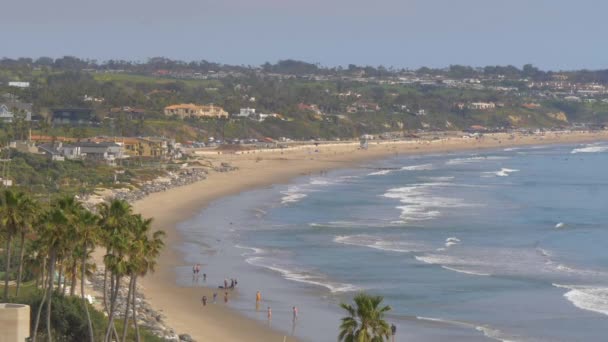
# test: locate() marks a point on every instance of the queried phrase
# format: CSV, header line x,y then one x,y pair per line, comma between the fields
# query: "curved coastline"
x,y
182,305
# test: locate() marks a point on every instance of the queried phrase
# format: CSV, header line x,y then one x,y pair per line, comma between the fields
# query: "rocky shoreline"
x,y
147,316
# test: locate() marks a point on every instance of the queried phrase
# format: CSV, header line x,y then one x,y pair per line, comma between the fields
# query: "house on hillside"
x,y
482,105
130,112
309,108
74,117
193,110
246,113
363,106
11,106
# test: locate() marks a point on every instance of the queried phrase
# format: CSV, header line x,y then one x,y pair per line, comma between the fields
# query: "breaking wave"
x,y
587,297
302,276
378,243
590,149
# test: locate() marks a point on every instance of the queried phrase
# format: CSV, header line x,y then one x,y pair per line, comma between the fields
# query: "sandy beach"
x,y
218,322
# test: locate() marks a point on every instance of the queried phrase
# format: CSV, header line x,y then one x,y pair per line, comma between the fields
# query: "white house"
x,y
19,84
7,111
246,112
482,105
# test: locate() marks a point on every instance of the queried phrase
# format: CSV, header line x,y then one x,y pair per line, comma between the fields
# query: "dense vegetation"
x,y
54,245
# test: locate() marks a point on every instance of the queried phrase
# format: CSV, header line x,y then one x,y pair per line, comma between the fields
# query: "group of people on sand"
x,y
196,270
231,286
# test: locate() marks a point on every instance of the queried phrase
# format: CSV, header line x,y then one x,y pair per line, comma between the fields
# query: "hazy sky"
x,y
552,34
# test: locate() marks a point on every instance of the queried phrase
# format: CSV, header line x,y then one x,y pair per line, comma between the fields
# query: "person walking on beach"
x,y
258,299
269,314
226,297
295,313
393,331
225,283
214,297
204,277
204,300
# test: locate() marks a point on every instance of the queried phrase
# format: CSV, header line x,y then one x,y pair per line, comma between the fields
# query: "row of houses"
x,y
108,150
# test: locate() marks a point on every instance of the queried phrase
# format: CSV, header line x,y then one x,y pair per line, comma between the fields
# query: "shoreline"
x,y
181,305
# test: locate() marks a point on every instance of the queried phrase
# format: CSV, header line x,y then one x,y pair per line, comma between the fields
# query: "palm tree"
x,y
53,235
87,238
113,219
13,218
365,321
143,252
116,221
28,208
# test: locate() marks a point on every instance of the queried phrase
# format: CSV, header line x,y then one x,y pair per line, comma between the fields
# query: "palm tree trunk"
x,y
21,255
44,282
7,269
44,273
73,280
65,282
137,337
105,288
113,296
125,323
84,300
60,275
50,299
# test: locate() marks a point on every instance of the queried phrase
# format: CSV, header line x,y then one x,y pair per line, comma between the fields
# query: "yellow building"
x,y
145,147
190,109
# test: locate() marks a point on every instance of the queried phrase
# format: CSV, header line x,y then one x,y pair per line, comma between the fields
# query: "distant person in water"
x,y
225,283
295,313
258,297
204,277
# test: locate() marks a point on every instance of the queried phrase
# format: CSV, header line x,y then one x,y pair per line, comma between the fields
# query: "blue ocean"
x,y
494,245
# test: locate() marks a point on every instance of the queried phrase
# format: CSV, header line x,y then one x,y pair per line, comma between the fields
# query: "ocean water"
x,y
507,245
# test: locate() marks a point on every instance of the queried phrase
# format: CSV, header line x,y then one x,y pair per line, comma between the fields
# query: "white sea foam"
x,y
293,194
369,241
560,225
504,172
488,331
454,264
475,159
380,173
466,271
254,250
591,149
421,167
302,276
588,298
452,241
438,179
320,182
420,203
